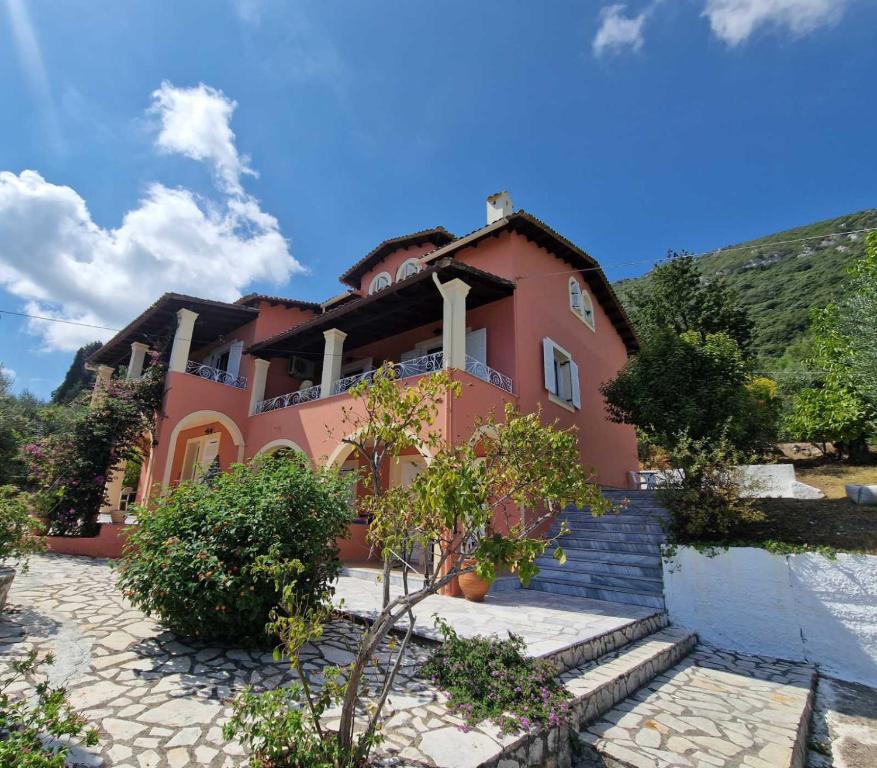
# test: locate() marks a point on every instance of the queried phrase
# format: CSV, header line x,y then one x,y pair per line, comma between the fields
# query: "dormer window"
x,y
407,268
580,303
379,282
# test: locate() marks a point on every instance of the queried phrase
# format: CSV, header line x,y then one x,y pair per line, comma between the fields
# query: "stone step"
x,y
714,708
565,574
608,545
580,565
613,535
609,594
601,556
618,524
415,581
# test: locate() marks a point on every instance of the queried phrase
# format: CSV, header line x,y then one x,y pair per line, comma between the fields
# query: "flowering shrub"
x,y
18,530
200,557
71,468
486,677
37,728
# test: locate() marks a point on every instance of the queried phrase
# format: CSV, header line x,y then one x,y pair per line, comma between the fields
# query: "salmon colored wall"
x,y
542,309
391,262
108,542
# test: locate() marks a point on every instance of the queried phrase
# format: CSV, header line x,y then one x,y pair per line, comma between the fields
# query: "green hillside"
x,y
782,281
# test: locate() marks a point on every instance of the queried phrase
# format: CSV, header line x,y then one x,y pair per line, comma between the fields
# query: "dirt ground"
x,y
843,729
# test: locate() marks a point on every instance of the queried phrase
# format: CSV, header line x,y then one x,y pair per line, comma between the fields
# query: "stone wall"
x,y
802,607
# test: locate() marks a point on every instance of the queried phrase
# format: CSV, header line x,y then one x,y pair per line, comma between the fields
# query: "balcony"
x,y
215,374
404,370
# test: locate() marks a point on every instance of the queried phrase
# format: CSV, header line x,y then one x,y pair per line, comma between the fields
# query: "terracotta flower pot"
x,y
474,587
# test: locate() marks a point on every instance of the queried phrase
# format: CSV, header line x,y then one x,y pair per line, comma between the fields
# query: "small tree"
x,y
494,492
71,467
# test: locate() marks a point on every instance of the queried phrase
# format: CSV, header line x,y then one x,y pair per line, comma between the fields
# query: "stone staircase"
x,y
615,557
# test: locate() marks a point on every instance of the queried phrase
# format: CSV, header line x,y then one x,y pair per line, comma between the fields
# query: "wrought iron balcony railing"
x,y
416,367
488,374
215,374
292,398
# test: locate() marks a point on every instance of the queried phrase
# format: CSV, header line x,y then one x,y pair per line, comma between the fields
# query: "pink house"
x,y
516,310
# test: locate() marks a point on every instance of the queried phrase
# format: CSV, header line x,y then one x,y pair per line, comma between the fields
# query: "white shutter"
x,y
211,451
234,358
476,345
574,384
548,364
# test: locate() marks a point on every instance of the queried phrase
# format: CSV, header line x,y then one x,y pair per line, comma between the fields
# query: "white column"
x,y
114,488
331,360
104,374
257,385
454,323
138,357
182,340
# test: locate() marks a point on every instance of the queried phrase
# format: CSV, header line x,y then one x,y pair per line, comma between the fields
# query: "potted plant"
x,y
19,536
474,588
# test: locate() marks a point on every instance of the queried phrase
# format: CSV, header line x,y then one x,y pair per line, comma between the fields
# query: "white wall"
x,y
803,607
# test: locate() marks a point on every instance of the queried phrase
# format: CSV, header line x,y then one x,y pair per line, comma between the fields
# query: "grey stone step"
x,y
599,574
713,708
611,535
415,581
609,594
594,543
596,566
563,575
618,558
613,526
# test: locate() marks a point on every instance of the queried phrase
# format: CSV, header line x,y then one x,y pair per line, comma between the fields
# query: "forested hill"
x,y
782,281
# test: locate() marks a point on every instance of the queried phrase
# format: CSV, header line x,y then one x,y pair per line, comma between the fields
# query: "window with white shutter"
x,y
561,375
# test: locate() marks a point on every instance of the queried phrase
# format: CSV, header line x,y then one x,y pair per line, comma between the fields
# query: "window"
x,y
408,268
561,376
580,303
379,282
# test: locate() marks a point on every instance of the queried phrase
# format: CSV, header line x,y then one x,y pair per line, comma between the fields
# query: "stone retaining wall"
x,y
801,607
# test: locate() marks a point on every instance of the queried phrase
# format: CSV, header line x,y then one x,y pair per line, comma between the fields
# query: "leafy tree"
x,y
483,500
689,384
77,379
678,298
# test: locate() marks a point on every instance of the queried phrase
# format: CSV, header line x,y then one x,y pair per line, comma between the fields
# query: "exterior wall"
x,y
541,308
801,607
391,262
228,452
108,542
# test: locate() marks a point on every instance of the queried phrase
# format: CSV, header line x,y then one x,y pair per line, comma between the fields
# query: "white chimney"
x,y
498,207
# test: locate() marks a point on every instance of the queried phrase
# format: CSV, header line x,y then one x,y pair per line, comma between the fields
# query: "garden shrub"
x,y
703,495
200,557
19,532
32,725
486,677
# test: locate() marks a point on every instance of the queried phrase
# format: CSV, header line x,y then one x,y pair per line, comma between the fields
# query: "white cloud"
x,y
618,32
195,122
735,20
55,258
7,373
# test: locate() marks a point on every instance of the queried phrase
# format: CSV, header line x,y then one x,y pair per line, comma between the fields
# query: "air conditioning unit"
x,y
301,368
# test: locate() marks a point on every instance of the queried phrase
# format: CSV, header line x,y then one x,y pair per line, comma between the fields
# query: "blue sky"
x,y
219,147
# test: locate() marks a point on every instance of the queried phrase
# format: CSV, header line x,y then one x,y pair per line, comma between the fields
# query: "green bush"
x,y
18,530
704,494
486,677
27,721
199,559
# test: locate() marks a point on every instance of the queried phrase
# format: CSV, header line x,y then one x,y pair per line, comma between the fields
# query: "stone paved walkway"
x,y
715,709
547,622
159,702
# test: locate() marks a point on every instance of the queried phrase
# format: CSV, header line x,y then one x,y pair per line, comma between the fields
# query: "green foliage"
x,y
678,298
780,279
19,532
486,677
71,468
77,379
199,555
27,721
703,494
692,384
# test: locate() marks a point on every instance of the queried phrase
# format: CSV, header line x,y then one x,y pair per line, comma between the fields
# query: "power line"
x,y
57,320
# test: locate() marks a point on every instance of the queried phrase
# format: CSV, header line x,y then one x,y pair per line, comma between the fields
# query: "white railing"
x,y
292,398
488,374
215,374
416,367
